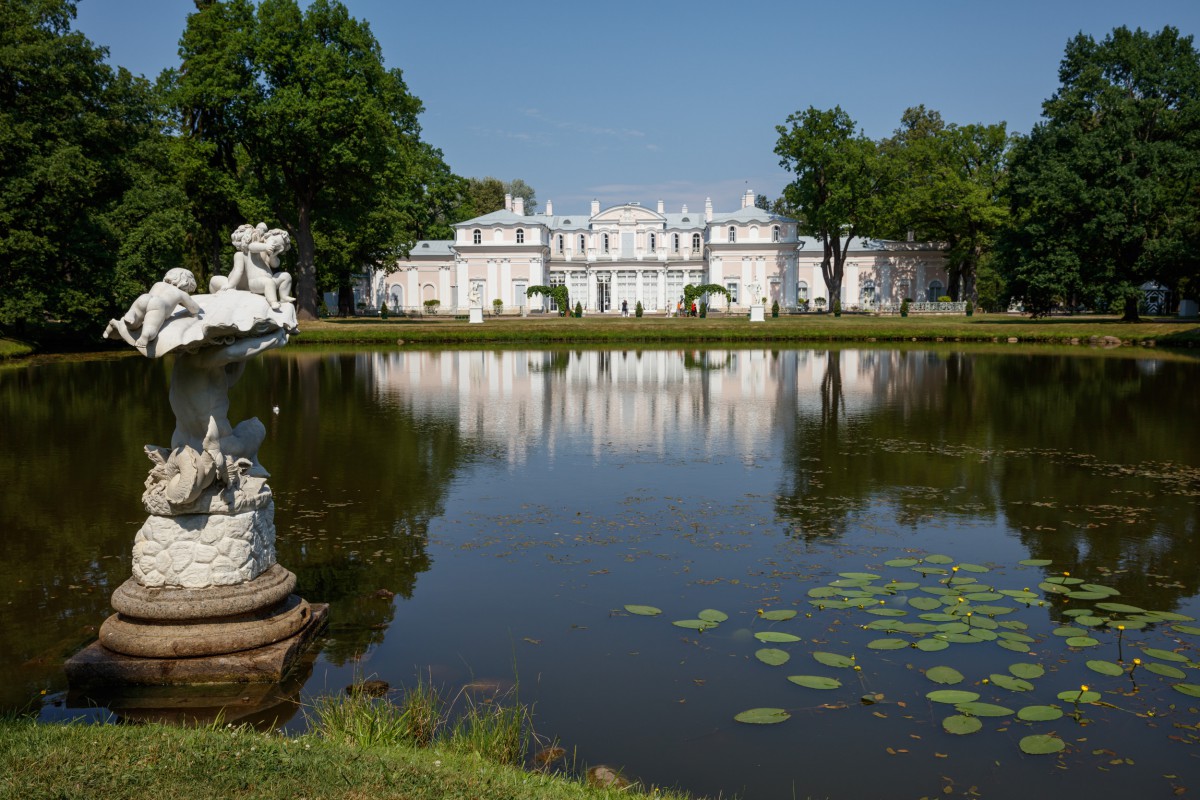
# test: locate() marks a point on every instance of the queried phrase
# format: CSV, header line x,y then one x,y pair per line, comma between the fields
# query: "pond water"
x,y
513,504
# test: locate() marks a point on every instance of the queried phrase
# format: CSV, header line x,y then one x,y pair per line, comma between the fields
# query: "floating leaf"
x,y
973,568
932,645
769,655
983,709
983,634
712,615
1013,636
1011,683
952,696
945,675
900,562
1129,624
883,611
851,582
815,681
833,659
1190,689
1164,655
1054,588
1077,696
1063,580
983,597
1042,744
1170,616
1020,594
887,644
1039,713
1036,562
1082,641
1095,587
1106,668
644,611
763,716
823,591
961,725
1166,670
859,576
782,615
1016,647
775,636
1189,629
938,558
924,603
1088,595
1089,620
958,638
1026,670
1068,630
1120,608
901,586
693,624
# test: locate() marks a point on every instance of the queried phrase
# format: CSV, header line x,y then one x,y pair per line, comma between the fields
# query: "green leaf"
x,y
900,562
693,624
1106,668
1076,696
1082,641
712,615
945,675
887,644
1039,713
937,558
1164,655
1189,629
1120,608
776,637
833,659
1042,744
769,655
1016,647
1026,670
1068,630
932,645
1011,683
1171,616
1035,562
781,615
952,696
983,709
1190,689
1166,670
861,576
815,681
924,603
973,568
961,725
763,716
883,611
644,611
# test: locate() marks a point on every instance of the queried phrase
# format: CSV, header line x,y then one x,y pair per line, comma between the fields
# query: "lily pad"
x,y
1189,629
1069,630
694,624
1026,670
938,558
1016,647
1035,562
1042,744
887,644
1190,689
763,716
772,656
1095,587
961,725
712,615
932,645
983,709
1166,670
1039,713
1021,594
945,675
1164,655
900,562
1106,668
901,586
1082,641
973,568
983,634
1171,616
1076,696
861,576
815,681
644,611
781,615
952,696
774,636
924,603
1011,683
884,611
833,659
1120,608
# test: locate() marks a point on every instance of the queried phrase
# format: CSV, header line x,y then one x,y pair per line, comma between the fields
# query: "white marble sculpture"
x,y
474,297
754,289
255,264
211,514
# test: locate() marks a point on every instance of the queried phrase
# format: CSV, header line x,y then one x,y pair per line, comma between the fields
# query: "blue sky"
x,y
679,101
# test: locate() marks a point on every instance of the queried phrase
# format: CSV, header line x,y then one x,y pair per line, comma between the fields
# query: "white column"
x,y
537,277
444,283
460,283
504,290
666,302
413,281
591,288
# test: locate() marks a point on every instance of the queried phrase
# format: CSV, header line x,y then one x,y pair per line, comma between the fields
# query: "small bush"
x,y
431,306
578,309
945,299
904,307
383,310
775,309
837,308
637,310
497,306
703,310
970,309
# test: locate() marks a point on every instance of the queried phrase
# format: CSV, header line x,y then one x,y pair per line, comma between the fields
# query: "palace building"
x,y
630,253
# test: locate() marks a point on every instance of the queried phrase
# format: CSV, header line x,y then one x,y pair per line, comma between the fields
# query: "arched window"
x,y
520,236
866,294
653,242
560,243
801,291
936,290
754,233
477,236
582,243
604,242
695,241
396,295
675,242
732,233
775,237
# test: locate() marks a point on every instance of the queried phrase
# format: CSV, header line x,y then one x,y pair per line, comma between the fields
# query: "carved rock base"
x,y
193,551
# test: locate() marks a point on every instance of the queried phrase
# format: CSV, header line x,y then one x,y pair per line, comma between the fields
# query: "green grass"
x,y
720,329
10,348
418,748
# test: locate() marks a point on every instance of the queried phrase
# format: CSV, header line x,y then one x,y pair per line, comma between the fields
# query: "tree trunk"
x,y
345,298
1131,307
306,266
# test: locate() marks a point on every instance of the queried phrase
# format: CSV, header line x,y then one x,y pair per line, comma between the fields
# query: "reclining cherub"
x,y
151,309
254,263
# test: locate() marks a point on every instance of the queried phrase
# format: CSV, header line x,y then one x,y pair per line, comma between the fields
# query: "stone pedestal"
x,y
476,316
756,313
1187,309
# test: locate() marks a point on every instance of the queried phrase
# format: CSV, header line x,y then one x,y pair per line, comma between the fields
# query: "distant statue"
x,y
255,263
151,309
474,297
754,289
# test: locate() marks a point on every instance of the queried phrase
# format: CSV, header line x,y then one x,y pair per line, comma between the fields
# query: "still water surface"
x,y
516,501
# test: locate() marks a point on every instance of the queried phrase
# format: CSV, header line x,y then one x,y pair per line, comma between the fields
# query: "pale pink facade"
x,y
630,253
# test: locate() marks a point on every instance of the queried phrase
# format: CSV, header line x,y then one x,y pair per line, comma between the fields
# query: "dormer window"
x,y
732,233
477,236
520,236
775,234
695,241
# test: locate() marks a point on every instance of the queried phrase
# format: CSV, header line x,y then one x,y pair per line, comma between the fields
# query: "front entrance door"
x,y
603,292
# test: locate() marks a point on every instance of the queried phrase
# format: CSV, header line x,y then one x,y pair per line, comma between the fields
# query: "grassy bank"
x,y
10,348
720,329
359,752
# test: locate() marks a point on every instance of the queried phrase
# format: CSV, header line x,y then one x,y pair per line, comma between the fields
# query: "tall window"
x,y
582,243
653,242
732,286
936,290
801,291
775,233
520,236
605,242
675,242
560,244
695,241
476,236
732,233
867,293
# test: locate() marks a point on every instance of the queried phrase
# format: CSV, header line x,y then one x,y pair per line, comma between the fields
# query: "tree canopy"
x,y
1104,191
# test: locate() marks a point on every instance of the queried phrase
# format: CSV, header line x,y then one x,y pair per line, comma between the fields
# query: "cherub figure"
x,y
255,262
151,309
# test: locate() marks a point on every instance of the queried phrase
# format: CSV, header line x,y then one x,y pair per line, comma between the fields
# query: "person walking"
x,y
624,308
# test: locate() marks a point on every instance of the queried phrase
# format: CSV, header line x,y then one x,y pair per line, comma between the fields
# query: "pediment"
x,y
628,214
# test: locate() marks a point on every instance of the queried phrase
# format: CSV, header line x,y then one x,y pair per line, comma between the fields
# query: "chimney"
x,y
518,206
748,199
660,206
507,202
708,209
684,210
549,208
595,207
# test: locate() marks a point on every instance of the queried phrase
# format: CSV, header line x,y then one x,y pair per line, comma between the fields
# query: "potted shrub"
x,y
802,304
497,306
637,310
970,309
383,310
775,309
578,309
945,299
820,303
837,308
703,310
904,307
431,306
